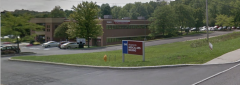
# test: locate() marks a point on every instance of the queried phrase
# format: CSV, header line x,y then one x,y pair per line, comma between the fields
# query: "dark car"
x,y
238,27
224,27
10,49
62,42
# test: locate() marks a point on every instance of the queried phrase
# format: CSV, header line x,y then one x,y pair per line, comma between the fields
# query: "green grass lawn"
x,y
188,52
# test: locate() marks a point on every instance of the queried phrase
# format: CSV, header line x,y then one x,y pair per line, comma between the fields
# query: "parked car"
x,y
50,44
202,29
62,42
220,28
69,45
229,28
238,27
194,29
36,43
224,28
10,49
215,28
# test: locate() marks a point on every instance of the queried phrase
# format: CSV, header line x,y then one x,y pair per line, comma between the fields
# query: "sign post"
x,y
133,47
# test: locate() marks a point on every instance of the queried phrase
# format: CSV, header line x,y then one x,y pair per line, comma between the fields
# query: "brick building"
x,y
115,30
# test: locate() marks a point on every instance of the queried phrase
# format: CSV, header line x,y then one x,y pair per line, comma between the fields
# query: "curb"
x,y
27,53
110,67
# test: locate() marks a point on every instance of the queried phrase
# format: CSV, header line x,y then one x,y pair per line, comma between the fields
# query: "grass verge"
x,y
166,54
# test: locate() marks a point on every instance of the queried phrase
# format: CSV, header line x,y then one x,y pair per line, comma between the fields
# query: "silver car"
x,y
50,44
69,45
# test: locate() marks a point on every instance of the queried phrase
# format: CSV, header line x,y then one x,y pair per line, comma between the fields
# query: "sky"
x,y
48,5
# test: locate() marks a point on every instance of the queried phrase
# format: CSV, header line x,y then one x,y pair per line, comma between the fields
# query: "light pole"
x,y
145,39
17,43
207,19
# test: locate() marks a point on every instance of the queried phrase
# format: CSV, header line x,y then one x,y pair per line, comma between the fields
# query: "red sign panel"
x,y
135,47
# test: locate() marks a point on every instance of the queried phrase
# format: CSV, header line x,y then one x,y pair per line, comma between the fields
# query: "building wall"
x,y
134,28
126,32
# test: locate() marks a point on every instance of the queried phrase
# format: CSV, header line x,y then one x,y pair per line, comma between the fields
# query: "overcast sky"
x,y
48,5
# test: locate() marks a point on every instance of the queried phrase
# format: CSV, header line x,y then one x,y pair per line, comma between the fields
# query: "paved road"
x,y
231,77
54,51
25,73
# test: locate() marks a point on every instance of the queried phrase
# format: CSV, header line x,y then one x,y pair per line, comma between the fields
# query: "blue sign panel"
x,y
125,47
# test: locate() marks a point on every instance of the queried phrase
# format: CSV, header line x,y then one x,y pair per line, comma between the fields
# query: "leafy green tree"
x,y
85,23
18,26
138,10
105,10
116,12
123,13
163,21
57,12
61,30
224,20
199,17
68,12
149,10
184,16
128,7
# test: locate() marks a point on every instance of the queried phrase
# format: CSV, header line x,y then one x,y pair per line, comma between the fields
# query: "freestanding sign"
x,y
133,47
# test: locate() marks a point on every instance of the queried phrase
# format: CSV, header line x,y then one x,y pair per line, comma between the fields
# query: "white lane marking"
x,y
215,75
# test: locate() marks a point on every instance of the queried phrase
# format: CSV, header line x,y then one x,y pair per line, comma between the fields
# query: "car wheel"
x,y
48,46
68,47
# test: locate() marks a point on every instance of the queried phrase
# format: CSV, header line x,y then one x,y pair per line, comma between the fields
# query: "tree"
x,y
128,7
105,10
163,21
149,10
18,26
57,12
85,23
123,13
224,20
116,12
61,30
68,12
199,17
138,10
184,16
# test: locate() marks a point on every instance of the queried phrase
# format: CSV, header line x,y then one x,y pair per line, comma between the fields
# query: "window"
x,y
48,26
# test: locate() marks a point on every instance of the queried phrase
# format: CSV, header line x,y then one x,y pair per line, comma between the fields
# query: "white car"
x,y
202,29
69,45
220,28
50,44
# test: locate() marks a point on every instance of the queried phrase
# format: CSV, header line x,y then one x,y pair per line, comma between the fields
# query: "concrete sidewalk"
x,y
229,57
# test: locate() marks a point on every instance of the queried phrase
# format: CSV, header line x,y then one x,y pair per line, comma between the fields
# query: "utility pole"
x,y
145,39
207,19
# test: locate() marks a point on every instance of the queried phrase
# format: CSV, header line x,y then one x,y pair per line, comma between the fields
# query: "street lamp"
x,y
145,39
18,43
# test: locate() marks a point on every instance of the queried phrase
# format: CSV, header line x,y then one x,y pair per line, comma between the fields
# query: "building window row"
x,y
126,26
